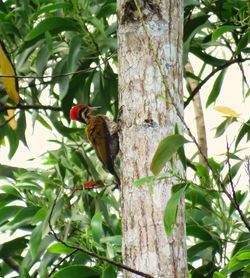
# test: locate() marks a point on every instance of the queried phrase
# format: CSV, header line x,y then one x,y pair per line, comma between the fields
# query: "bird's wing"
x,y
98,135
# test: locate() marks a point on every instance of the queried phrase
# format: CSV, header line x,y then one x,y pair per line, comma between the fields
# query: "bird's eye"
x,y
83,115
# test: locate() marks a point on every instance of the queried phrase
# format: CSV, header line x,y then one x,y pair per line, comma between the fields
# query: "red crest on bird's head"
x,y
75,112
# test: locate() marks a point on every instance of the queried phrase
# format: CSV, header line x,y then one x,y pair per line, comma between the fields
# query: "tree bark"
x,y
145,119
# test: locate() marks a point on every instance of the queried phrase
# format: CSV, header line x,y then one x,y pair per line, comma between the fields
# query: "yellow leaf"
x,y
7,68
12,122
227,111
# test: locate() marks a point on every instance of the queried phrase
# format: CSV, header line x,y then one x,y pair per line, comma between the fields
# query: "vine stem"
x,y
179,114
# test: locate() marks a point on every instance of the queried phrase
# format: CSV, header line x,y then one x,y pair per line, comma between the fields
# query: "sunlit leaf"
x,y
60,248
10,118
7,68
226,110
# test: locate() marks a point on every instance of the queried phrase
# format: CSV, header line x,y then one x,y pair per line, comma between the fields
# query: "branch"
x,y
221,67
12,263
179,114
77,248
62,260
5,107
63,74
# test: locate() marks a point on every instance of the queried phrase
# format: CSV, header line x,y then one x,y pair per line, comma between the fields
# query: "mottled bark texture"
x,y
145,119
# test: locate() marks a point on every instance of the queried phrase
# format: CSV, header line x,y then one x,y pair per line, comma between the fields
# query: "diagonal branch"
x,y
142,274
221,67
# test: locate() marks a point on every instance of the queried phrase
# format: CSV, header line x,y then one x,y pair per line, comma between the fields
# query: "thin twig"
x,y
179,114
7,121
63,74
91,253
62,260
5,107
221,67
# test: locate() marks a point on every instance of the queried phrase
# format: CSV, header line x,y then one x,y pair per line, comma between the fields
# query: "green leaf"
x,y
165,151
6,199
96,225
56,24
8,212
51,7
244,256
245,130
221,30
223,126
242,44
42,60
107,9
40,215
197,250
97,24
240,197
191,3
206,58
117,240
171,210
193,25
23,217
60,248
35,240
218,275
13,141
74,50
10,248
21,127
216,88
142,181
11,190
109,272
233,171
76,271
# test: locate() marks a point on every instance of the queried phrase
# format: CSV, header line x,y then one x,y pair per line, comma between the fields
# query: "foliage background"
x,y
56,38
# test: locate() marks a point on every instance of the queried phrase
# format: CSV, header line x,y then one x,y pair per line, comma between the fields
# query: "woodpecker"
x,y
102,133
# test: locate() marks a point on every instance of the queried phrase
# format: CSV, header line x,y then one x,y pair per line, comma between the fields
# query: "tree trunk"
x,y
199,116
145,119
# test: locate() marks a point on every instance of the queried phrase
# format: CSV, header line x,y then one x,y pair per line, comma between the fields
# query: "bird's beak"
x,y
95,108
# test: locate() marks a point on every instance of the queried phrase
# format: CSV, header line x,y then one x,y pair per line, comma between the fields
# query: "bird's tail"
x,y
113,172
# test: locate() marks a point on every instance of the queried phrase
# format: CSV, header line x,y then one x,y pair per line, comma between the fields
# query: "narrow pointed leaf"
x,y
165,151
227,111
245,130
171,210
221,30
216,88
53,24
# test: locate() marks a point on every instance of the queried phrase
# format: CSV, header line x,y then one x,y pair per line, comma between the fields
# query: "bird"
x,y
102,133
